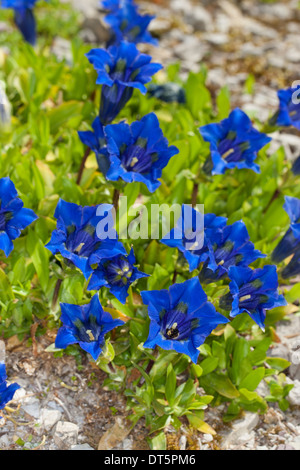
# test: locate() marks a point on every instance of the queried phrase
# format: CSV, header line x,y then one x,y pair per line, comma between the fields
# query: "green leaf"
x,y
170,385
253,379
159,442
221,384
62,114
6,293
40,258
209,365
278,363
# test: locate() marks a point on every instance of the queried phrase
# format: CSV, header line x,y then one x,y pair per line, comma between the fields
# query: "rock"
x,y
294,395
207,438
182,442
100,32
190,49
127,444
4,442
295,443
159,26
2,351
61,48
285,447
82,447
199,18
181,6
66,434
31,406
216,39
48,418
114,435
272,417
241,429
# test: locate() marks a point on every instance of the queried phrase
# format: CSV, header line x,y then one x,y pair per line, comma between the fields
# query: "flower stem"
x,y
56,292
84,159
116,197
195,194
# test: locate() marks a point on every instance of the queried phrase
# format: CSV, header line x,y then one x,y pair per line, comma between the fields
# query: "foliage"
x,y
41,153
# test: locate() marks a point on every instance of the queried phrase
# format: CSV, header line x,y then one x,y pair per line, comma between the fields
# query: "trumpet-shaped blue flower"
x,y
181,318
296,166
138,152
289,108
97,142
113,5
253,291
234,143
120,70
6,391
84,235
24,17
291,240
116,273
128,24
221,245
85,325
293,267
228,247
13,216
192,233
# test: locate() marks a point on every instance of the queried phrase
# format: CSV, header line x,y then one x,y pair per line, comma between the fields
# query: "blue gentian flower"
x,y
24,17
116,273
113,5
291,240
6,391
180,318
127,24
293,267
253,291
289,108
77,238
228,247
13,216
296,166
120,69
96,141
234,143
193,224
85,325
222,245
138,152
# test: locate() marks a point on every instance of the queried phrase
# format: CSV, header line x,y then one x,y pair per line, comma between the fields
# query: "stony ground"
x,y
61,406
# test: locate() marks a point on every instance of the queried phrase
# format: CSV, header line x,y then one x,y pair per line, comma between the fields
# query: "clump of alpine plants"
x,y
234,143
13,216
121,69
24,17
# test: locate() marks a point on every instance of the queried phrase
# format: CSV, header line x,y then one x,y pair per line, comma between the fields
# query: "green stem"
x,y
56,292
116,197
83,161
